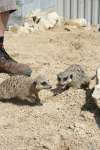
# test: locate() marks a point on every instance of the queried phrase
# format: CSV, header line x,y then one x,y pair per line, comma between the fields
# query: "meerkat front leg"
x,y
35,100
29,99
37,97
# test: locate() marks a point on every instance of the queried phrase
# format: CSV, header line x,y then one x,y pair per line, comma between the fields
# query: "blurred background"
x,y
26,6
88,9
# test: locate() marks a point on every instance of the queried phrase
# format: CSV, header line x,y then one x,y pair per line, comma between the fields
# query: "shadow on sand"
x,y
92,106
19,102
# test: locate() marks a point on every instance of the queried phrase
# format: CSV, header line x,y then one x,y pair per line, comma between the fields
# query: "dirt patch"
x,y
69,121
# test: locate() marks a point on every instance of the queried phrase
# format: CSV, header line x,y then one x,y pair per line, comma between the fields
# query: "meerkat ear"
x,y
34,83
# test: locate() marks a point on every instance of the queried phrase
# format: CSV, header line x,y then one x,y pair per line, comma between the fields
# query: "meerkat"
x,y
74,76
24,88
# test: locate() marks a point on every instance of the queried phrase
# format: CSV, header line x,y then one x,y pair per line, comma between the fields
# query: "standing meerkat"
x,y
24,88
74,76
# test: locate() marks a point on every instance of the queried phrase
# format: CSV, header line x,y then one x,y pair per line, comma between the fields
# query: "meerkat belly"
x,y
22,92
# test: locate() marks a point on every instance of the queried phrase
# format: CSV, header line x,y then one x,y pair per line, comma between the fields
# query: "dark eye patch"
x,y
71,76
65,79
59,79
44,83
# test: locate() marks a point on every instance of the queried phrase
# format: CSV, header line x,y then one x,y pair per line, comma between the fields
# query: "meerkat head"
x,y
41,83
64,79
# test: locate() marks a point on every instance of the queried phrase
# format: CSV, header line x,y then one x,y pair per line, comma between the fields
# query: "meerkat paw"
x,y
38,101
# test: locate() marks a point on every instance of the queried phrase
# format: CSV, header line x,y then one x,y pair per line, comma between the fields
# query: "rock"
x,y
26,24
49,21
80,22
14,28
26,28
96,92
42,21
37,21
23,29
53,18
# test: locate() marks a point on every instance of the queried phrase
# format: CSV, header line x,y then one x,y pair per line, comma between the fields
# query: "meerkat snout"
x,y
64,79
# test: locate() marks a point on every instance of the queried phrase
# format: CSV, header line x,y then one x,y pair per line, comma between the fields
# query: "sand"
x,y
68,121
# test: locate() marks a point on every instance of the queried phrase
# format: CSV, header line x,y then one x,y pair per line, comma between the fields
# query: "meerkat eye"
x,y
59,79
71,76
65,79
44,83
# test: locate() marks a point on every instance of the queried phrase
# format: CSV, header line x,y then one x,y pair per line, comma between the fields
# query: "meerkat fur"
x,y
24,88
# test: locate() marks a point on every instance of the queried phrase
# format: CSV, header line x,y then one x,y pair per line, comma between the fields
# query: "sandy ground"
x,y
69,121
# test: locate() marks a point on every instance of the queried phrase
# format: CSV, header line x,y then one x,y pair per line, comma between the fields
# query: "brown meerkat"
x,y
74,76
24,88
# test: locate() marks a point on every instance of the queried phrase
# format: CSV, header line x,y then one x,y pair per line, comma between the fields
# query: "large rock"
x,y
96,92
48,21
79,22
37,21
